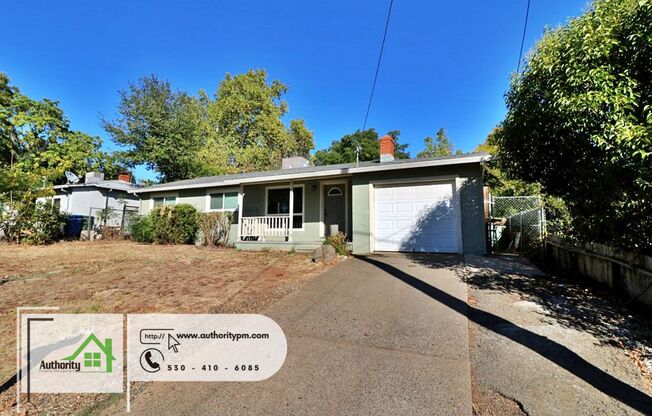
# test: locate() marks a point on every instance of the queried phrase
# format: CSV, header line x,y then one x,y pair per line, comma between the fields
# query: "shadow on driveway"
x,y
543,346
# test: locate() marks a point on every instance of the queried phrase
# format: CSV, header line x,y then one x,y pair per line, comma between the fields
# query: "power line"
x,y
380,57
520,53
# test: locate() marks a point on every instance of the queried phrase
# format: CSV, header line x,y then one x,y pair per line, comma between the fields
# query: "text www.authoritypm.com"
x,y
223,335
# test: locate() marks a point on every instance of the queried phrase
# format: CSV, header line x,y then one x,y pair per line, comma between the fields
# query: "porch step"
x,y
278,245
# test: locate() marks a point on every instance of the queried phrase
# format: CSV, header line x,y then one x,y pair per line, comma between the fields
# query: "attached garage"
x,y
417,217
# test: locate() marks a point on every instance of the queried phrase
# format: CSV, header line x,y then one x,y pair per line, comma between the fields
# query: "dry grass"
x,y
125,277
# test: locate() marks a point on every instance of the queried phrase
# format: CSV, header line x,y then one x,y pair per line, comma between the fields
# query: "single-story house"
x,y
95,193
411,205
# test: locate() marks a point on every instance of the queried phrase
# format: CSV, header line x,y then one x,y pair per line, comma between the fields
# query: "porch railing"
x,y
267,226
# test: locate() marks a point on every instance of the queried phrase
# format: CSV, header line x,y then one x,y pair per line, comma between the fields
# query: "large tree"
x,y
158,127
180,136
35,137
245,126
579,122
37,147
344,149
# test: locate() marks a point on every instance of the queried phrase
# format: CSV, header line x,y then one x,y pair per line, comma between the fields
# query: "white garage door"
x,y
418,217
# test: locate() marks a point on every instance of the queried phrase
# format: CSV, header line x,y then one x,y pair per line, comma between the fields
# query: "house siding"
x,y
79,200
468,179
197,198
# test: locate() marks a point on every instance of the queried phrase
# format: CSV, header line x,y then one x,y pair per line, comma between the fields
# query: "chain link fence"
x,y
108,223
516,223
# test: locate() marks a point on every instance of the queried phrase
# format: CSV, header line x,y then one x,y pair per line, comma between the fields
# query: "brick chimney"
x,y
124,177
386,144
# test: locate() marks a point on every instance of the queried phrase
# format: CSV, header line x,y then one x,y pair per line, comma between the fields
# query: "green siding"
x,y
194,197
360,237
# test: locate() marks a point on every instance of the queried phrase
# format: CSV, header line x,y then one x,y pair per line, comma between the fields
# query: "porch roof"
x,y
313,172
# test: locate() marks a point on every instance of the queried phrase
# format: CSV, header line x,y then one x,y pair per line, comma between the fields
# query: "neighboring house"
x,y
95,193
413,205
95,355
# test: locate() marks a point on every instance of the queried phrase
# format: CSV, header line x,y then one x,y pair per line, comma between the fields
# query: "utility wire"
x,y
520,53
380,57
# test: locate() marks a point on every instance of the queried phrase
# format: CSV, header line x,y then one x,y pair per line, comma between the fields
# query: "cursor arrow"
x,y
173,343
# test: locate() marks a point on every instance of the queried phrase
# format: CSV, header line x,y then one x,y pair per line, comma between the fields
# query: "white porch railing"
x,y
268,226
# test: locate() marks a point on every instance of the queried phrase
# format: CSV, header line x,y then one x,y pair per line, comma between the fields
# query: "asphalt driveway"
x,y
360,341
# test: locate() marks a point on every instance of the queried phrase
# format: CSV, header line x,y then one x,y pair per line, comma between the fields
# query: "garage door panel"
x,y
382,193
403,192
404,207
416,218
384,208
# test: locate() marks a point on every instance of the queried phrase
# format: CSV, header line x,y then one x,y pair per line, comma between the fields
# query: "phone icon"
x,y
150,360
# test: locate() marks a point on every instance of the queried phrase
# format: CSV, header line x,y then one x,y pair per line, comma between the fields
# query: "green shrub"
x,y
140,229
339,242
174,224
215,227
43,224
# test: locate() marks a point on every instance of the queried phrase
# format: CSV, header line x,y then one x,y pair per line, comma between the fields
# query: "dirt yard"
x,y
125,277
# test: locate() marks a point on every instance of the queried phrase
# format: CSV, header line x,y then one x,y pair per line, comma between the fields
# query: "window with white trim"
x,y
278,203
224,201
164,200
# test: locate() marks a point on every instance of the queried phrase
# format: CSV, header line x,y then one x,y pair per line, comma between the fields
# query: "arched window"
x,y
335,191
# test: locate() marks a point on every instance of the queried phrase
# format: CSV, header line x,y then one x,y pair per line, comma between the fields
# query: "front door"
x,y
334,208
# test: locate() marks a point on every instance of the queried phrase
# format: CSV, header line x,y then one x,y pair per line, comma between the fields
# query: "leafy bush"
x,y
43,224
140,229
215,227
578,122
174,224
338,241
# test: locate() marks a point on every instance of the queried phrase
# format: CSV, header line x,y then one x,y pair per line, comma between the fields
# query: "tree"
x,y
301,139
36,138
344,149
38,146
180,136
579,122
558,219
158,127
438,147
497,180
246,118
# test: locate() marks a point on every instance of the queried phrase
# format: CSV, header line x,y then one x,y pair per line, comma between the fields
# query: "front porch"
x,y
292,215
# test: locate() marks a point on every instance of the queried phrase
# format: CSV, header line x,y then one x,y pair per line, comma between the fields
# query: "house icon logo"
x,y
95,356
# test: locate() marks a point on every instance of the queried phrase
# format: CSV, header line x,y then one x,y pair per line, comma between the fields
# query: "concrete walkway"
x,y
364,338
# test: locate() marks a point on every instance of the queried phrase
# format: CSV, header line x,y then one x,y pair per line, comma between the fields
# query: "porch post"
x,y
291,210
240,203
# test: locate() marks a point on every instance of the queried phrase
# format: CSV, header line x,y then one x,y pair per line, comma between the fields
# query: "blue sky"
x,y
446,64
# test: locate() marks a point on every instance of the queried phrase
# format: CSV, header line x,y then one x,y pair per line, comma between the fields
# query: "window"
x,y
166,200
92,359
278,203
56,204
335,191
224,201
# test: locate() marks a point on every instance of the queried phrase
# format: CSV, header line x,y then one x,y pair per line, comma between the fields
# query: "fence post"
x,y
122,220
